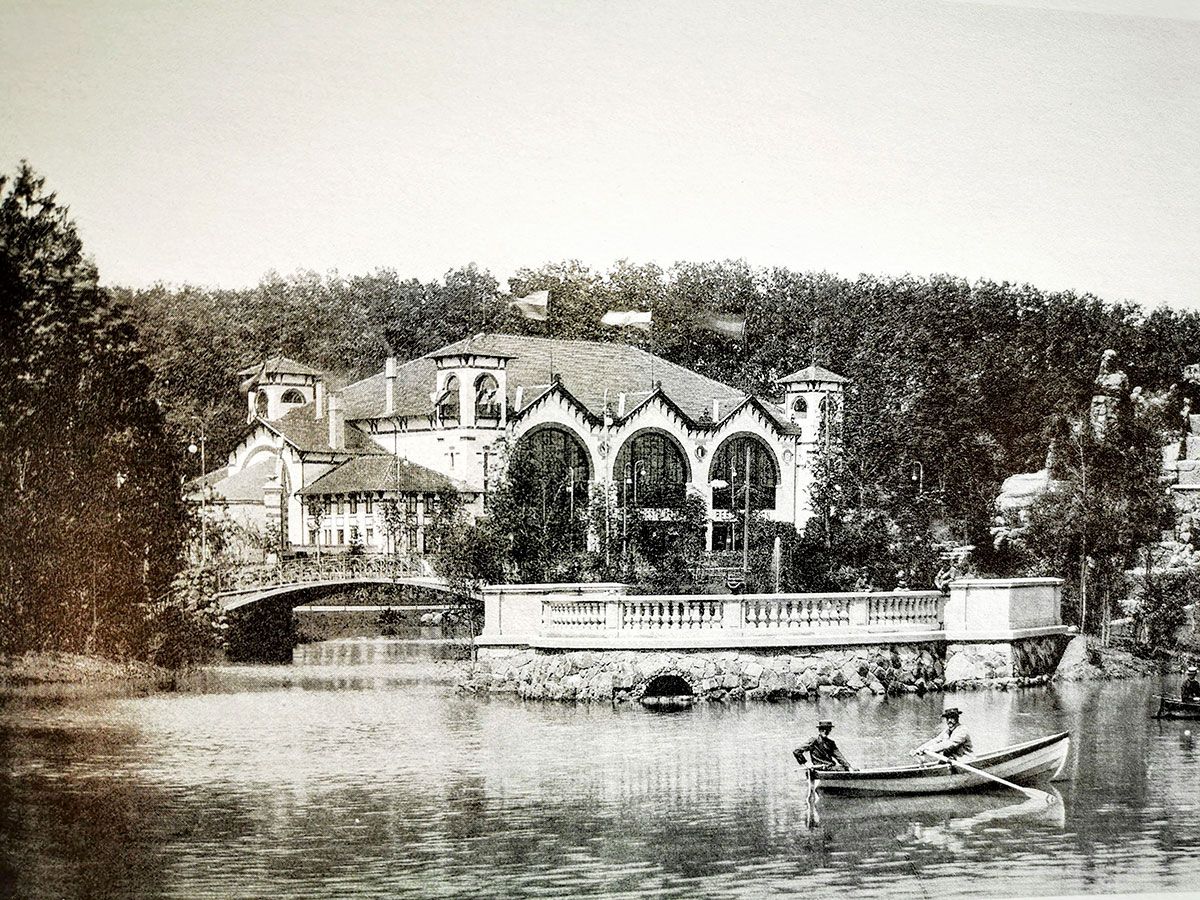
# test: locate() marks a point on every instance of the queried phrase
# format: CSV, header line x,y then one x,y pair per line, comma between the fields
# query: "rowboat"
x,y
1170,708
1021,764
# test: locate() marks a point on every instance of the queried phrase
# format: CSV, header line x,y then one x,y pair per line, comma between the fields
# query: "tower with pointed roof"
x,y
812,401
277,385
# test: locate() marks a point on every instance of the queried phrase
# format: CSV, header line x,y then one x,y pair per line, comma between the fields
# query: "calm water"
x,y
379,781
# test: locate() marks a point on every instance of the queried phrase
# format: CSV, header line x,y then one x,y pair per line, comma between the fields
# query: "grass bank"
x,y
54,674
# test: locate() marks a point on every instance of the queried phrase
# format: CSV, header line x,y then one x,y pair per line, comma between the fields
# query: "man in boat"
x,y
822,752
953,742
1190,692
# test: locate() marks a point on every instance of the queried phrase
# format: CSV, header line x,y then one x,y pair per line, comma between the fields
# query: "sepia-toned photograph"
x,y
561,448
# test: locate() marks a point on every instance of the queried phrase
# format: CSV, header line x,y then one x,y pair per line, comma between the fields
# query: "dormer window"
x,y
447,405
487,401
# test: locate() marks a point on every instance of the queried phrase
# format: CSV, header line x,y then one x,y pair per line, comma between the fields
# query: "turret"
x,y
811,397
276,386
472,384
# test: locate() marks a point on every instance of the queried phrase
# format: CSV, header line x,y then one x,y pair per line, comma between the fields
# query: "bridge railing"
x,y
328,568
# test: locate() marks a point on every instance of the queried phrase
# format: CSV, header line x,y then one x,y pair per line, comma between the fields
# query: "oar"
x,y
1031,793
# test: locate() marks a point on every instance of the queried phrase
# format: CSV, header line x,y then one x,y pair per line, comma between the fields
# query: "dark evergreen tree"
x,y
90,516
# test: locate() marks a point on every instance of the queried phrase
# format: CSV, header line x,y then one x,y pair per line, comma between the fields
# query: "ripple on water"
x,y
261,783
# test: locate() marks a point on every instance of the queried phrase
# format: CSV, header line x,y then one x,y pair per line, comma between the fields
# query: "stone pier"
x,y
596,642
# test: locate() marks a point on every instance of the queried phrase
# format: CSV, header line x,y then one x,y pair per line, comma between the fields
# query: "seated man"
x,y
1190,692
822,752
952,742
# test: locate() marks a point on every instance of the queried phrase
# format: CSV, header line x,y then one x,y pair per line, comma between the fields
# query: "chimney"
x,y
519,400
389,396
319,401
337,424
620,404
716,410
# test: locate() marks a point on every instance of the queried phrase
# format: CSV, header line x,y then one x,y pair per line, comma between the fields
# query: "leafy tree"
x,y
91,522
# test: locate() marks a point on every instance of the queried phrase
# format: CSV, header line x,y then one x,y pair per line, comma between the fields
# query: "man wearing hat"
x,y
1190,692
952,742
822,752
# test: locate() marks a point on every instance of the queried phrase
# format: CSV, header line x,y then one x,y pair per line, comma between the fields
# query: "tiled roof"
x,y
381,473
311,435
588,369
812,373
281,364
193,488
247,485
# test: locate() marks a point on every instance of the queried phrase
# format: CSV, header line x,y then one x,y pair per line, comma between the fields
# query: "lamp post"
x,y
917,474
197,446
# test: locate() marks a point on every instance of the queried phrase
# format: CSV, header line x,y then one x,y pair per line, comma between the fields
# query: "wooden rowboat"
x,y
1170,708
1021,763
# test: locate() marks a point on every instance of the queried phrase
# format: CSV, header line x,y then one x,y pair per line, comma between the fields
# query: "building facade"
x,y
367,466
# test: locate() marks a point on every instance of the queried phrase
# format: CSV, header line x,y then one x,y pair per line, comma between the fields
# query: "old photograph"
x,y
556,448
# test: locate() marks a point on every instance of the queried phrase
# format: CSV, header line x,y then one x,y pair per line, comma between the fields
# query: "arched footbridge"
x,y
302,580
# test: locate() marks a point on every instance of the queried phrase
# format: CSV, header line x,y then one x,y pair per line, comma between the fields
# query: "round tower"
x,y
276,386
812,400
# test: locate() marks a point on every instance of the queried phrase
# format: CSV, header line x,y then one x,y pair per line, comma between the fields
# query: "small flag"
x,y
730,325
254,380
627,319
533,307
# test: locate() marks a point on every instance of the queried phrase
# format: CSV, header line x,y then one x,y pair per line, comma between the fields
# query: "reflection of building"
x,y
594,415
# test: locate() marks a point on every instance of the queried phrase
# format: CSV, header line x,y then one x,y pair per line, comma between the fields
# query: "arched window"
x,y
292,396
550,473
261,404
487,403
729,467
651,472
557,458
448,401
800,406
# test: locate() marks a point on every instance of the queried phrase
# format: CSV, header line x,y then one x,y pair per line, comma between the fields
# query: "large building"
x,y
319,469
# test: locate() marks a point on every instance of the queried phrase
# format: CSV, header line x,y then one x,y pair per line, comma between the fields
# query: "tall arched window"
x,y
551,472
557,458
448,405
487,403
729,467
651,472
292,396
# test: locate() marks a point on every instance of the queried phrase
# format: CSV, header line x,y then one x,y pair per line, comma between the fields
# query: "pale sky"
x,y
1050,142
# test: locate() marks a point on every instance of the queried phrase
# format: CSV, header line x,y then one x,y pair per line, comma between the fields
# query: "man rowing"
x,y
1190,692
952,742
822,751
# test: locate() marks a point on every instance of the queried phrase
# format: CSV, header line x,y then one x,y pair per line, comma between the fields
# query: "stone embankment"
x,y
895,668
735,675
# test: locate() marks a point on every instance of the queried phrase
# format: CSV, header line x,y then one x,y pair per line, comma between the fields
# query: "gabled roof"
x,y
813,373
247,485
280,365
587,369
311,435
381,473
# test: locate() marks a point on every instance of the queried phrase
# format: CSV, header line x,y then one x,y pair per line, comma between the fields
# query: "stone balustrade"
x,y
602,615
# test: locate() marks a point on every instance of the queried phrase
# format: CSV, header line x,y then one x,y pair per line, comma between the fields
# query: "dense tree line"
x,y
90,517
954,385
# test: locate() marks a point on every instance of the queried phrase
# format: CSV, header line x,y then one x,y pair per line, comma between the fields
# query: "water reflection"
x,y
331,783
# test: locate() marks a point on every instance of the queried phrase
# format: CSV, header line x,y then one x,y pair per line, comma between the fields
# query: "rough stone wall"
x,y
1003,663
617,676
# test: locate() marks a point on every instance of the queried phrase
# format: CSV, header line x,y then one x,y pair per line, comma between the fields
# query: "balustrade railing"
x,y
764,613
660,614
805,613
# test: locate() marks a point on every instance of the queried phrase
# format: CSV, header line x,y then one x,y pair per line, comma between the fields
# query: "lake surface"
x,y
378,780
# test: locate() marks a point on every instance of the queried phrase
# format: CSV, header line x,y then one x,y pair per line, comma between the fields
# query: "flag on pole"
x,y
730,325
618,318
533,307
254,380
